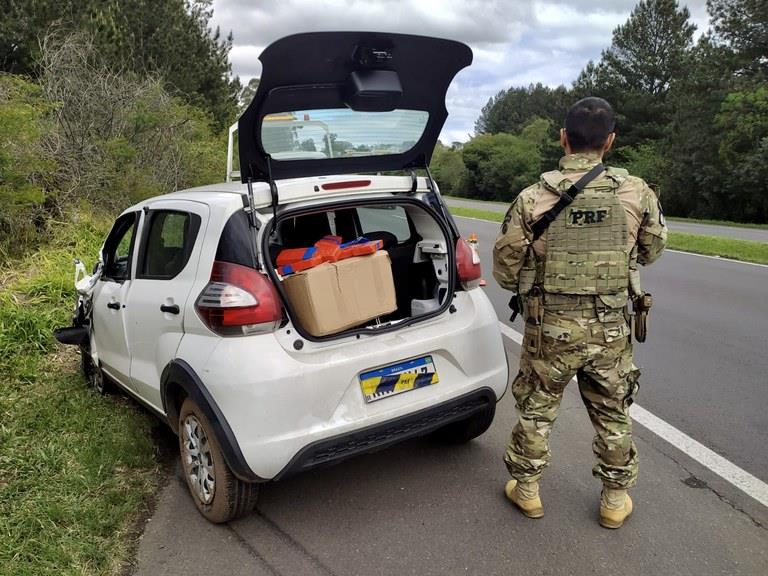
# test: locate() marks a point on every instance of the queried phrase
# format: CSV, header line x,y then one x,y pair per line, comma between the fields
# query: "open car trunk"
x,y
411,277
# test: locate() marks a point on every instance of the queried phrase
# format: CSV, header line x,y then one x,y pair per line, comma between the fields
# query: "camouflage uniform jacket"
x,y
645,221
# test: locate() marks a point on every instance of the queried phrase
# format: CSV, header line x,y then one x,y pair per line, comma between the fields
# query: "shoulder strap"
x,y
541,225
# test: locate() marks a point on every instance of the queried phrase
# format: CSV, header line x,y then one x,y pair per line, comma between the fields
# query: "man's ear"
x,y
564,141
609,142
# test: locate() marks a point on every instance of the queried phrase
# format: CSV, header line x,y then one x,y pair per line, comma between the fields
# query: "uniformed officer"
x,y
569,247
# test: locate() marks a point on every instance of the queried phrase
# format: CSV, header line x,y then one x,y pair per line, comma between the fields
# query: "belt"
x,y
558,302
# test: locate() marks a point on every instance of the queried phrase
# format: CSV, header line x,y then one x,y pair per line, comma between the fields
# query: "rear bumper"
x,y
378,437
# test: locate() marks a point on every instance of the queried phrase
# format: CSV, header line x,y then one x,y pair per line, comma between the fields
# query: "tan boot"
x,y
615,507
525,495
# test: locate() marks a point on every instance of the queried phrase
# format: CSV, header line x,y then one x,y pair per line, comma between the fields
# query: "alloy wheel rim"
x,y
198,459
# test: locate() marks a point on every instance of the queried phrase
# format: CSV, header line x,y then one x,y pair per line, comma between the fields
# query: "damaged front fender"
x,y
79,333
84,283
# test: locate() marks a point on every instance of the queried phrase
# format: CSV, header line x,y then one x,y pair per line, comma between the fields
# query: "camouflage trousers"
x,y
594,346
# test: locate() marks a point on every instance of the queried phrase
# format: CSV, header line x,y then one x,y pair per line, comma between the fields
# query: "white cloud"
x,y
245,60
514,43
472,21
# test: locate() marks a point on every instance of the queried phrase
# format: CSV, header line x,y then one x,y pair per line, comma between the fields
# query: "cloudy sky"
x,y
515,43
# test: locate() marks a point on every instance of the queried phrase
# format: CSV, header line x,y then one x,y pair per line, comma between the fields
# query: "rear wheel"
x,y
218,494
465,430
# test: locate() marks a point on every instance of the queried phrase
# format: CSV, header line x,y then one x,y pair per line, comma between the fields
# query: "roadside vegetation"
x,y
719,223
102,104
743,250
693,123
76,469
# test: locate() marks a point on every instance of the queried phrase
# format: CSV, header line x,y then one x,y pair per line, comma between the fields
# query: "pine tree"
x,y
742,25
636,72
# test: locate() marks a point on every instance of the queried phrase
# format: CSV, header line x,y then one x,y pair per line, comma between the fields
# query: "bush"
x,y
743,151
499,166
644,161
448,170
24,162
120,138
88,138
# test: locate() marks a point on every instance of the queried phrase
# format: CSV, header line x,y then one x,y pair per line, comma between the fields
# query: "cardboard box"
x,y
333,297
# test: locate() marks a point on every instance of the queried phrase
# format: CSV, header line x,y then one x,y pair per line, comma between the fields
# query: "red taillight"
x,y
467,263
239,301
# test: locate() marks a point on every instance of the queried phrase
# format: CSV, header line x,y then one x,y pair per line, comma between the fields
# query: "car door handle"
x,y
170,308
113,305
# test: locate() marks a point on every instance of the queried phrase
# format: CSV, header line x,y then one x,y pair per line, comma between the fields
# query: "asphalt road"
x,y
424,508
754,234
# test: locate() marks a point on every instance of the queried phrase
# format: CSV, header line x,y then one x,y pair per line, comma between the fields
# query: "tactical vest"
x,y
587,243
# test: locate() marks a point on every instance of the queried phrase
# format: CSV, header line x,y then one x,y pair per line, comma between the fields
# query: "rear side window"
x,y
236,242
168,242
388,218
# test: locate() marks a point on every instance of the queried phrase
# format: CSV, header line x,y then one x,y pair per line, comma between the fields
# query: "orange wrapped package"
x,y
329,247
360,247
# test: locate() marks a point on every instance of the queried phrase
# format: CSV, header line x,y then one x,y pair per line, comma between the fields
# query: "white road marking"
x,y
512,334
721,259
477,219
740,478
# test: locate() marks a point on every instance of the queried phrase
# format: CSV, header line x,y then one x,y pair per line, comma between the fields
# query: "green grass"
x,y
76,469
744,250
478,201
718,223
479,214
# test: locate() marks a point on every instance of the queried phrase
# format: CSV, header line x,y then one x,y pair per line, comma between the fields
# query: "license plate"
x,y
397,378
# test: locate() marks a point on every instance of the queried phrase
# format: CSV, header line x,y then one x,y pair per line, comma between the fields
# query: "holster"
x,y
641,306
534,318
516,306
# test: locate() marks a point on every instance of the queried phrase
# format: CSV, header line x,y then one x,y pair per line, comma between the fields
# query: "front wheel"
x,y
218,494
93,374
465,430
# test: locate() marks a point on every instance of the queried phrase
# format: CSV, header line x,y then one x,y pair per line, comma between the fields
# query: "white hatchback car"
x,y
187,311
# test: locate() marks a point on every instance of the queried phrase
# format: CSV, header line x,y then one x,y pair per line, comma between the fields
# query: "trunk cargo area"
x,y
403,272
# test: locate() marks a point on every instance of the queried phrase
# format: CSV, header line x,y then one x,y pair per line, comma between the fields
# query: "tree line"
x,y
106,102
692,116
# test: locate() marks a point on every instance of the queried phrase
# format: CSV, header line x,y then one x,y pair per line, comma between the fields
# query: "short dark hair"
x,y
588,124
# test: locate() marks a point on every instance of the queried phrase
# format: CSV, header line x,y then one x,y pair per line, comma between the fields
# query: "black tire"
x,y
94,375
218,494
465,430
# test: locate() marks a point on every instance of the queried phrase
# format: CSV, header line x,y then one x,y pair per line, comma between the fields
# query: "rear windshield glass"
x,y
342,132
388,218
